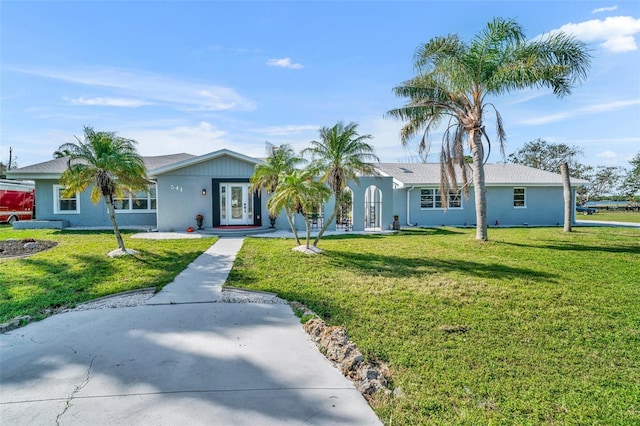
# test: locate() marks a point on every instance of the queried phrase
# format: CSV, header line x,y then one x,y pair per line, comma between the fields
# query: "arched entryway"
x,y
372,208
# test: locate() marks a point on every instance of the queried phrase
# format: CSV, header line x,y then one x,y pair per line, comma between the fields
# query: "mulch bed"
x,y
26,247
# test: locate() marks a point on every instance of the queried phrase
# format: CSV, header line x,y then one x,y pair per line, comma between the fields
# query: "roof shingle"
x,y
495,174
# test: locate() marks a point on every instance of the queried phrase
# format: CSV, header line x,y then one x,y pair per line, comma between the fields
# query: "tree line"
x,y
612,182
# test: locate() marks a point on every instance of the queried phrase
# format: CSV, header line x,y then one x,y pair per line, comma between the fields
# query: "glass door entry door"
x,y
236,204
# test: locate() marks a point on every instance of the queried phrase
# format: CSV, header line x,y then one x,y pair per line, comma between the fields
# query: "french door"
x,y
236,204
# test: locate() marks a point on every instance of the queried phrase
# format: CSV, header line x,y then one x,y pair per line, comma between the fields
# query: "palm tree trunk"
x,y
293,227
479,189
326,223
308,229
568,205
112,215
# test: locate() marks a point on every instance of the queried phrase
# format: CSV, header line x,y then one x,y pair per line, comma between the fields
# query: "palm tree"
x,y
298,192
61,153
108,162
454,80
281,159
340,154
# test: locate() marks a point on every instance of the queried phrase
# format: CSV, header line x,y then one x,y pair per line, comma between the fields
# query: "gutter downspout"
x,y
409,206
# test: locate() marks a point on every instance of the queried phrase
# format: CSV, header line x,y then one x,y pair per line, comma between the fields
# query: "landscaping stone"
x,y
311,250
119,252
333,341
15,323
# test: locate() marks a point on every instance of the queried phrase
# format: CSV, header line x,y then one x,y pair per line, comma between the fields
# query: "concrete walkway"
x,y
202,281
185,358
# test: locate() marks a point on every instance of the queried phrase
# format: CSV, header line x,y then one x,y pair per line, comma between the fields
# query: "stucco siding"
x,y
437,216
543,206
180,199
385,184
89,214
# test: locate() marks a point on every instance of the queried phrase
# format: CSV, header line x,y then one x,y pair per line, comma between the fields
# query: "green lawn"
x,y
553,319
78,269
612,216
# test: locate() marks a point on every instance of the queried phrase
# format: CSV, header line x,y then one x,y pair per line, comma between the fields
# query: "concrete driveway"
x,y
199,362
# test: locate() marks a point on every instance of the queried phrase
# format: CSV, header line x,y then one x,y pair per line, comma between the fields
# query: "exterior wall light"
x,y
204,191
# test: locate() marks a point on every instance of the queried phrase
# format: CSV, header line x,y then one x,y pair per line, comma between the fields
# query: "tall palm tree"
x,y
298,191
108,162
340,154
454,80
281,159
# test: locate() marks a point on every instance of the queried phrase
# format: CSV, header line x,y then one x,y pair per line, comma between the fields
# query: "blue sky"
x,y
200,76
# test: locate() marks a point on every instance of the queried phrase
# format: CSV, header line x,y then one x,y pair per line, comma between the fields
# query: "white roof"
x,y
52,169
507,174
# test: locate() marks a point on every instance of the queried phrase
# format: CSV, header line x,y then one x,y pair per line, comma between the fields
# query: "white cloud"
x,y
607,154
615,34
601,141
151,88
284,63
287,129
591,109
113,102
197,139
604,9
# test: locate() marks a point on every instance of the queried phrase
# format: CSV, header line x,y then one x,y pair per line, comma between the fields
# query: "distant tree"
x,y
108,162
340,154
10,164
454,80
542,155
604,180
298,191
631,184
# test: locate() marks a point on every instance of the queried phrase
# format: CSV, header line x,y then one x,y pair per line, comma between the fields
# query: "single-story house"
x,y
216,186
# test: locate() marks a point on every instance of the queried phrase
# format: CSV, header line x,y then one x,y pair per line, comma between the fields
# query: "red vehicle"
x,y
16,200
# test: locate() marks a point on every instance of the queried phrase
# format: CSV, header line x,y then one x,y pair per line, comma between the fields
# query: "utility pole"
x,y
10,158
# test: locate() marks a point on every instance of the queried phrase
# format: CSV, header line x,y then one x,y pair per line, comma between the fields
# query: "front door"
x,y
236,204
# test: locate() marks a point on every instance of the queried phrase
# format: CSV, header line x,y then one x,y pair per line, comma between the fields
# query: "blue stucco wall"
x,y
385,184
90,214
544,206
180,196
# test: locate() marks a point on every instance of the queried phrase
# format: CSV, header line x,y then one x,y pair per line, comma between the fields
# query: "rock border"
x,y
334,343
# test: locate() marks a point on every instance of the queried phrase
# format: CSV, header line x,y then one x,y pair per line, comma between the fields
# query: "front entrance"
x,y
236,204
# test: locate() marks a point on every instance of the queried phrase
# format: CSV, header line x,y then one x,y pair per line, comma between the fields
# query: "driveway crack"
x,y
77,389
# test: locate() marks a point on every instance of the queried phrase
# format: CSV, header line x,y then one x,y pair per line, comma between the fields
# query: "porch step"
x,y
236,231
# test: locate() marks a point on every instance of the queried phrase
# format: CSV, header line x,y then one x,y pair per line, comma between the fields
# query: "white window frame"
x,y
57,199
132,200
524,197
435,192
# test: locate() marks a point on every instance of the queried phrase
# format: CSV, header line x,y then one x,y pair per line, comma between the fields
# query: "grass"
x,y
613,216
552,320
78,269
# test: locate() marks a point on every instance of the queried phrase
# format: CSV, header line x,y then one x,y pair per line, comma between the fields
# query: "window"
x,y
431,198
63,205
141,201
519,198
